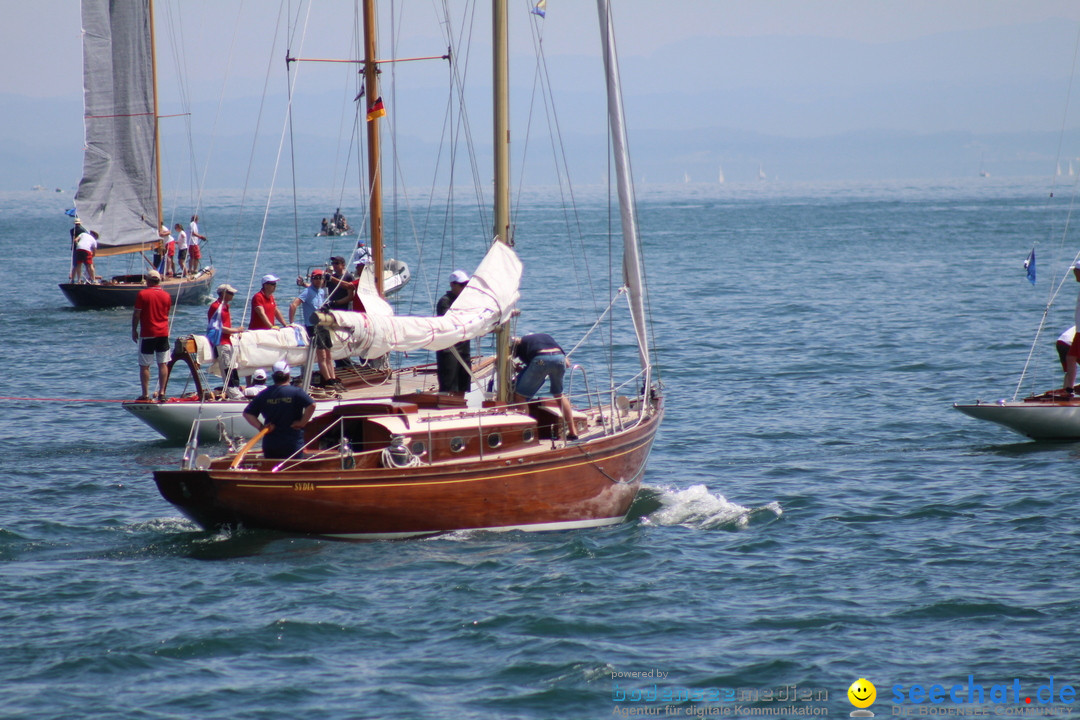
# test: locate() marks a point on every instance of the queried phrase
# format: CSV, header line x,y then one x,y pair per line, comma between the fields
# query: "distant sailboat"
x,y
761,173
686,177
719,174
119,194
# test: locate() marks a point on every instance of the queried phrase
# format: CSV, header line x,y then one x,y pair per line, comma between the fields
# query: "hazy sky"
x,y
734,77
41,38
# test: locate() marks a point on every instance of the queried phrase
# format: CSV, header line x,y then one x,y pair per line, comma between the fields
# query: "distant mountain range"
x,y
800,109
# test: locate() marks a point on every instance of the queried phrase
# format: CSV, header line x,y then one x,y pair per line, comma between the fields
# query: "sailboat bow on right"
x,y
422,463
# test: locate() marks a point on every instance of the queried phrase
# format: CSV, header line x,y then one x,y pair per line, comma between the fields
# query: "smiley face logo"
x,y
862,693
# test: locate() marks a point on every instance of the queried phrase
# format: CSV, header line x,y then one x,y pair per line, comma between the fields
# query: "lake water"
x,y
814,511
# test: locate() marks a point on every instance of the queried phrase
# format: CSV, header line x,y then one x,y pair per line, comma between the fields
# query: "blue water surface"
x,y
814,511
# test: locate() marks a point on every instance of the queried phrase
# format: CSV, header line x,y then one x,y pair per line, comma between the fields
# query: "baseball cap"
x,y
316,271
269,278
259,374
154,274
281,367
226,288
459,276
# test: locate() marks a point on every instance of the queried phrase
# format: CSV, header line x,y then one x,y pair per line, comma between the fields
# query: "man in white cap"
x,y
257,383
1074,351
219,332
264,310
453,372
285,410
150,328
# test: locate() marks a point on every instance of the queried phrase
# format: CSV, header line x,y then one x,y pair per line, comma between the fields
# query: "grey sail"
x,y
116,196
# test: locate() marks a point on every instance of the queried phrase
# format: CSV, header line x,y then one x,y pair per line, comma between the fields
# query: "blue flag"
x,y
1029,265
71,213
214,327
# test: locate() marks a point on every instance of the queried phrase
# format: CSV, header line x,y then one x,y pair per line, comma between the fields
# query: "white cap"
x,y
459,276
1076,265
259,374
270,278
281,367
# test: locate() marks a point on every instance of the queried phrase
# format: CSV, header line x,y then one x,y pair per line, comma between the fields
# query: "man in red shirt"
x,y
150,328
220,319
264,309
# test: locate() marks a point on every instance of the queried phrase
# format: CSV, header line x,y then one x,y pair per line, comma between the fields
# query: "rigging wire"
x,y
1056,289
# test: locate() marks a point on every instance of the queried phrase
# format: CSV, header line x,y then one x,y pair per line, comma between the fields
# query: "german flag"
x,y
377,110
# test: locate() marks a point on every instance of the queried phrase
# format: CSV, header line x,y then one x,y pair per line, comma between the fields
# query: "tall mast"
x,y
501,87
157,115
371,85
632,272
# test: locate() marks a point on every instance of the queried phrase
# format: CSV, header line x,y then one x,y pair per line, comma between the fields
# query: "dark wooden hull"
x,y
122,290
580,485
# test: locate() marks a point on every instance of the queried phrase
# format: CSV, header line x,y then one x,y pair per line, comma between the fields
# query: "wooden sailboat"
x,y
211,415
412,464
119,195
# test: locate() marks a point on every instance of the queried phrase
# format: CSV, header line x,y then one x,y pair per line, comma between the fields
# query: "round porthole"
x,y
457,444
494,440
527,435
418,447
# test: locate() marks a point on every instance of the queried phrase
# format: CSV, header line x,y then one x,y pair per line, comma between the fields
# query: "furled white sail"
x,y
116,195
254,349
486,302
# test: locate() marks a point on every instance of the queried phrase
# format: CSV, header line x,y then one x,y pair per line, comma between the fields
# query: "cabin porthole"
x,y
457,444
494,440
527,435
418,448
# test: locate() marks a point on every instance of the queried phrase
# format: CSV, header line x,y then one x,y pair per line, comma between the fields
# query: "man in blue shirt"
x,y
542,359
286,409
313,298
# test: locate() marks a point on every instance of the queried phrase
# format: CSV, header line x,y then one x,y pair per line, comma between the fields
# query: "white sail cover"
x,y
116,194
485,303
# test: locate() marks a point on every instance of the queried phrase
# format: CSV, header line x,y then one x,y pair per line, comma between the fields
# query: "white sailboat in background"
x,y
761,173
1050,415
720,174
119,195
